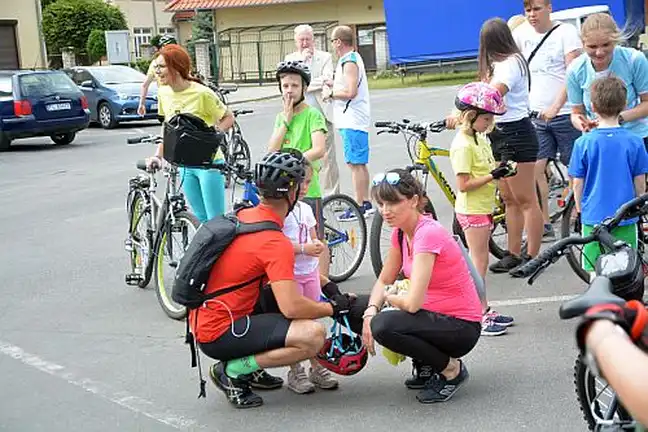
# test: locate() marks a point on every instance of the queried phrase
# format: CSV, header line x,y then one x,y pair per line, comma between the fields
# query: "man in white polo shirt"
x,y
548,95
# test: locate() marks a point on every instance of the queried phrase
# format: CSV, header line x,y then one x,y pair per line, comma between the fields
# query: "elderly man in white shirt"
x,y
321,66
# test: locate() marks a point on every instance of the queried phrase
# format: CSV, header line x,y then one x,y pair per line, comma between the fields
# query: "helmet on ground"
x,y
278,172
295,67
167,39
481,97
343,354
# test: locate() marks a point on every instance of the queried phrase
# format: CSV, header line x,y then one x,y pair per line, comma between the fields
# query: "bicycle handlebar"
x,y
152,139
407,126
242,112
600,233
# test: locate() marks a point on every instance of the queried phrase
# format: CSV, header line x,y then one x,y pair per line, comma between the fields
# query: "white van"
x,y
576,16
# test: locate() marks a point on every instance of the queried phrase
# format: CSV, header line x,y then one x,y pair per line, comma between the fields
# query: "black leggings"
x,y
430,338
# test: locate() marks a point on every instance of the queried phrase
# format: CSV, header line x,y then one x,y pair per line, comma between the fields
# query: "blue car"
x,y
113,93
40,103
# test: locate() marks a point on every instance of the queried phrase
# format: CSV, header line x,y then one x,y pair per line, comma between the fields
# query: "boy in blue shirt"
x,y
608,166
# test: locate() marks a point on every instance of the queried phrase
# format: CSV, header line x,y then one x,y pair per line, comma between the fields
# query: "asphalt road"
x,y
80,350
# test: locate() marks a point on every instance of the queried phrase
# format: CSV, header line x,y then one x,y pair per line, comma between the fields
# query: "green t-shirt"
x,y
298,137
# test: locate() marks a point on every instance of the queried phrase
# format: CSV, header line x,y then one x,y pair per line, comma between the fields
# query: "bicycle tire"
x,y
134,221
565,231
163,292
347,201
241,154
584,388
374,237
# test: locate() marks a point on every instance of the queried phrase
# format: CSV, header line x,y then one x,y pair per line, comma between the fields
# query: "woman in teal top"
x,y
602,57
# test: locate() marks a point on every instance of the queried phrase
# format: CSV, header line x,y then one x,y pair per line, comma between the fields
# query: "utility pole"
x,y
155,25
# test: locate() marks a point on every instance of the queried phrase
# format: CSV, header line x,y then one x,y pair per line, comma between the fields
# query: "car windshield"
x,y
118,75
5,86
46,84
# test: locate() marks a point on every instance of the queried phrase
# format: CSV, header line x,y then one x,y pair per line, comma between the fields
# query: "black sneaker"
x,y
515,272
439,389
262,380
236,390
508,263
420,374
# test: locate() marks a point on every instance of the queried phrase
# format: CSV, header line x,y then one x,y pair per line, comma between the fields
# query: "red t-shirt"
x,y
266,253
451,290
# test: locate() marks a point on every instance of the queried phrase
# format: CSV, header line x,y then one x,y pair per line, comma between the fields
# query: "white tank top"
x,y
354,113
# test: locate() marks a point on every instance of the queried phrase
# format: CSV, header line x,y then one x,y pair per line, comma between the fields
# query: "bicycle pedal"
x,y
133,279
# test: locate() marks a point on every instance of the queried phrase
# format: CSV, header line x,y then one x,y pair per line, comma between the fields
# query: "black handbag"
x,y
190,142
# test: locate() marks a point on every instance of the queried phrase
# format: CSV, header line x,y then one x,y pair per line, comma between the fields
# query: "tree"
x,y
96,45
202,28
45,3
68,23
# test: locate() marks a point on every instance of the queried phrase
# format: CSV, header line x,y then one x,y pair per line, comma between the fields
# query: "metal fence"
x,y
251,54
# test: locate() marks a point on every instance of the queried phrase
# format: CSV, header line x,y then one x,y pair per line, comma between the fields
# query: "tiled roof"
x,y
190,5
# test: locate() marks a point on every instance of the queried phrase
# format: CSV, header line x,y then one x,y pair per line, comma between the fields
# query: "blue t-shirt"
x,y
608,159
628,64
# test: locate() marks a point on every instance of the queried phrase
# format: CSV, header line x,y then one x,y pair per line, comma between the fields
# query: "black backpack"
x,y
208,244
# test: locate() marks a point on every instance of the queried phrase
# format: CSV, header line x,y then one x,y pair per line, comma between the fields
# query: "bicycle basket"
x,y
624,268
190,142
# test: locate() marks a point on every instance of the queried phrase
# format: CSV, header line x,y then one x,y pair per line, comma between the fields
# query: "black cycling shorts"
x,y
267,331
515,141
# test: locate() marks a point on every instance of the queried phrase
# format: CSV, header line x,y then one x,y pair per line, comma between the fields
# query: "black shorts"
x,y
267,331
515,141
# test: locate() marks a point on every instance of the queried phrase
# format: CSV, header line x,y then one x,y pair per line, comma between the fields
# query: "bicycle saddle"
x,y
599,292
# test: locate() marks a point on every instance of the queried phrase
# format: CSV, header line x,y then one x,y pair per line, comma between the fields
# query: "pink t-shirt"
x,y
451,290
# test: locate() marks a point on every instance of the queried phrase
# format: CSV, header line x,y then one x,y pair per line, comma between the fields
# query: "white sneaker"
x,y
298,381
321,377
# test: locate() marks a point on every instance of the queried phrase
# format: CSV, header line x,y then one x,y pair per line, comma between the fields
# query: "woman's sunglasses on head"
x,y
391,178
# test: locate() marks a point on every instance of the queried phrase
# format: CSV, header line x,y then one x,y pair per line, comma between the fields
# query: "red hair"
x,y
177,58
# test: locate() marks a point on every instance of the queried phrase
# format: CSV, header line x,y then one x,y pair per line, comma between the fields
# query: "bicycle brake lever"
x,y
536,274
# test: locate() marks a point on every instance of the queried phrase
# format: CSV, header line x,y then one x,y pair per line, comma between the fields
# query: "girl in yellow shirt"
x,y
181,93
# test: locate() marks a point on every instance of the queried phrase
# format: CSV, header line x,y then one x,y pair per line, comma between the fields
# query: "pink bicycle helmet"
x,y
481,97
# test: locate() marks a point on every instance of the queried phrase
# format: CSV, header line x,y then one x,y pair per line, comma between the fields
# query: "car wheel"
x,y
105,116
63,138
4,142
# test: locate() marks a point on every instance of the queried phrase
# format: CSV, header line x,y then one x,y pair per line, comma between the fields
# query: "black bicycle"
x,y
159,230
238,151
620,273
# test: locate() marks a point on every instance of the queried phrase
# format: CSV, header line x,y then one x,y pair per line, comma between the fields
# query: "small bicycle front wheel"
x,y
346,239
380,238
173,240
139,244
571,224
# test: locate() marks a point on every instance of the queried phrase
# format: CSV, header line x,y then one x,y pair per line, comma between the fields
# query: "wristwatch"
x,y
621,120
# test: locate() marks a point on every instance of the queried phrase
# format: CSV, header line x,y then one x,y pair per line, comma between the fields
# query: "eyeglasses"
x,y
393,178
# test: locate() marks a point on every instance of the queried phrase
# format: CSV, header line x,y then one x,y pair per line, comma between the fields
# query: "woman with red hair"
x,y
181,93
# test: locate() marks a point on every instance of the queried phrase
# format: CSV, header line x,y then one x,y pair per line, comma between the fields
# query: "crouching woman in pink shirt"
x,y
438,320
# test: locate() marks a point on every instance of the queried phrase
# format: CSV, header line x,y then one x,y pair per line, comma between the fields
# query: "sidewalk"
x,y
247,93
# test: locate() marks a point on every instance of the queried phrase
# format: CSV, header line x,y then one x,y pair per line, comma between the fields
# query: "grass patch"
x,y
422,80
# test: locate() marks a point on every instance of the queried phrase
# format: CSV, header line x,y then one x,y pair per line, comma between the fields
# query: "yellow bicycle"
x,y
422,155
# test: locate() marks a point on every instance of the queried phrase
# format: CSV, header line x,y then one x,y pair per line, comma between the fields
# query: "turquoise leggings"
x,y
205,190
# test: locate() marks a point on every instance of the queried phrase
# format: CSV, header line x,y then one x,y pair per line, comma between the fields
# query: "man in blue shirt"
x,y
608,166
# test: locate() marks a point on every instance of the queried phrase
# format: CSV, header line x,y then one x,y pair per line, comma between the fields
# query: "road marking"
x,y
530,300
123,399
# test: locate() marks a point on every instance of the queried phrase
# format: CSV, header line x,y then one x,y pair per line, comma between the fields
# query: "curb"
x,y
259,99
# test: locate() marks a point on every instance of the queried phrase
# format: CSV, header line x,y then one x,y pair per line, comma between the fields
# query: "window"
x,y
80,76
5,86
166,30
43,84
141,36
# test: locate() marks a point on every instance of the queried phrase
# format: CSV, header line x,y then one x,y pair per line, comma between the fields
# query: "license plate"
x,y
58,107
153,107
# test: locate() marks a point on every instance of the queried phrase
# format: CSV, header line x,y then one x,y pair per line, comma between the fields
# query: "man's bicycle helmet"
x,y
295,67
167,39
343,353
481,97
278,172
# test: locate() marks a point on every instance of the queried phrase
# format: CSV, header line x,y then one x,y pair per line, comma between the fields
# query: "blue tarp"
x,y
426,30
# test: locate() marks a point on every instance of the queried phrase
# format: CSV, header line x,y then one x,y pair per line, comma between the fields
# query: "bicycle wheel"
x,y
590,389
241,155
139,244
570,225
347,240
181,232
380,238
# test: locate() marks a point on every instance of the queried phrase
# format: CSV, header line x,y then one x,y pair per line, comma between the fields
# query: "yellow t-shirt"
x,y
151,72
476,159
197,99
